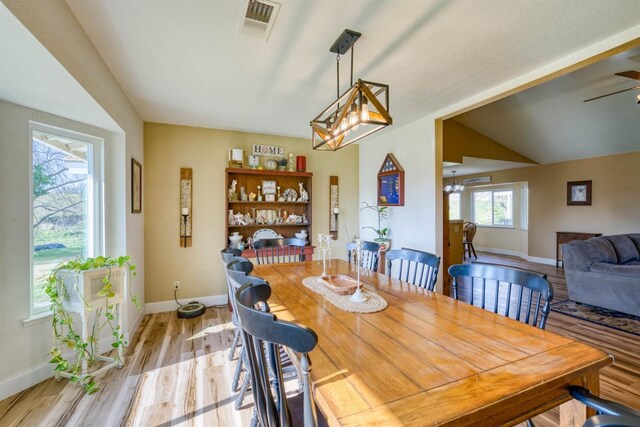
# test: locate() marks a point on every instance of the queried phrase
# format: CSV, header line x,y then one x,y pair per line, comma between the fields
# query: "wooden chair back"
x,y
275,251
370,251
469,230
264,334
513,292
413,266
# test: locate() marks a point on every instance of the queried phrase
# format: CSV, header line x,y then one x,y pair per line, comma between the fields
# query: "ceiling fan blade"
x,y
631,74
612,93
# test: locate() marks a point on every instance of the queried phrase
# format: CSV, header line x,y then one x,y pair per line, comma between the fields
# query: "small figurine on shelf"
x,y
239,219
304,196
252,196
243,195
285,215
259,194
291,163
233,195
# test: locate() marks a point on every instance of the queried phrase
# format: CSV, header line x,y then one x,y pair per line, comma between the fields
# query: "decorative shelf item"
x,y
287,212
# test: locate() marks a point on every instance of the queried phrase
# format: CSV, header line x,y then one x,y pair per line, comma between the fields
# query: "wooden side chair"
x,y
228,255
264,334
513,292
274,251
416,267
370,253
609,413
238,272
468,233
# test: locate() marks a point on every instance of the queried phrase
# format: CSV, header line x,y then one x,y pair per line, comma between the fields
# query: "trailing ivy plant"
x,y
65,335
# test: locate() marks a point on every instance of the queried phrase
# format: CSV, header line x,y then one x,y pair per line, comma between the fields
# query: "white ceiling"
x,y
187,62
31,76
550,123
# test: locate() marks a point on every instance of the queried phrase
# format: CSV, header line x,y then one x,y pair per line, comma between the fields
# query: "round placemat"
x,y
373,303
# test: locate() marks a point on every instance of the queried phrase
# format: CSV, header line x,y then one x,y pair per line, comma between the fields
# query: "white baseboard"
x,y
162,306
39,373
522,255
547,261
136,323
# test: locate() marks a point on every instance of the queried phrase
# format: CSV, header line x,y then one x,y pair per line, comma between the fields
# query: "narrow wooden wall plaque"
x,y
186,206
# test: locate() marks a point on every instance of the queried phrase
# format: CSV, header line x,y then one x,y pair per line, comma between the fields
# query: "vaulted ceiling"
x,y
189,62
551,122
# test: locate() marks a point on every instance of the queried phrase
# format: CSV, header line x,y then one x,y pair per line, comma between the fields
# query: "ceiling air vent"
x,y
259,18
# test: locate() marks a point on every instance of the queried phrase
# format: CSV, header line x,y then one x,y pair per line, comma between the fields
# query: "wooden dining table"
x,y
428,359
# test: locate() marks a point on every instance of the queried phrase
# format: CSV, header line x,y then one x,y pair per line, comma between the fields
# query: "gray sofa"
x,y
604,271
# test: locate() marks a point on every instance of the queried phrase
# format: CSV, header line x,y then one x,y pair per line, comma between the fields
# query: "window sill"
x,y
36,319
509,227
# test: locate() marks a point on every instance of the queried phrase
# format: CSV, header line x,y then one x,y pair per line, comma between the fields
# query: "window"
x,y
454,206
525,207
65,210
493,208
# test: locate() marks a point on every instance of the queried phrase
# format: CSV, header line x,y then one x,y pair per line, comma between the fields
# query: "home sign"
x,y
268,150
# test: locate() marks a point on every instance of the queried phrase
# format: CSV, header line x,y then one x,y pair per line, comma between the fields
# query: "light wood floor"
x,y
177,373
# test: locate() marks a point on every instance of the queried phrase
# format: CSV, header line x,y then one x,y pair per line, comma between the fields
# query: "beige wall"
x,y
460,141
198,268
615,198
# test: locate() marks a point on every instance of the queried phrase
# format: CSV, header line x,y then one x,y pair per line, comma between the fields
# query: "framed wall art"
x,y
136,186
579,193
268,187
391,182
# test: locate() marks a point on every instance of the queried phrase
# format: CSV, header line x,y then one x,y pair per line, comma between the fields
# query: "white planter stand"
x,y
81,296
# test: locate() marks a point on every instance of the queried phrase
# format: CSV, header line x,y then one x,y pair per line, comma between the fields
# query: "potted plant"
x,y
72,297
383,233
282,164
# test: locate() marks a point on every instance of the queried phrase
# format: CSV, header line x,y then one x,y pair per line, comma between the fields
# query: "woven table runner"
x,y
373,303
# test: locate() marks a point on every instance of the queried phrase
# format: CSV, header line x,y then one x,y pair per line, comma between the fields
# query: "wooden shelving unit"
x,y
250,179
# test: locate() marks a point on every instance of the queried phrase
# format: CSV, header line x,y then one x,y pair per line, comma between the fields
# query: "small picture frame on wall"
x,y
579,193
136,186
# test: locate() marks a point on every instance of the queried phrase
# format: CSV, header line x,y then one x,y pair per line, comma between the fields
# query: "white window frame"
x,y
493,190
95,210
524,206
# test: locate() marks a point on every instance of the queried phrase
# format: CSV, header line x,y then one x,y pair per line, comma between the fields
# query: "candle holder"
x,y
184,236
358,296
324,244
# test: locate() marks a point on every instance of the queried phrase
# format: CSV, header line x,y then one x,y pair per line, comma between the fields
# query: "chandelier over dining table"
x,y
360,111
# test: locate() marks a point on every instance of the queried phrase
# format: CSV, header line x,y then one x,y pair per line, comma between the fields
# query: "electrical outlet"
x,y
176,284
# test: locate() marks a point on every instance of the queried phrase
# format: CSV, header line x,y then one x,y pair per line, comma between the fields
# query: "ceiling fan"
x,y
631,74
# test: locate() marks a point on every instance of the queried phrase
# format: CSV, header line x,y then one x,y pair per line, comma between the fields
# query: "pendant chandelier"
x,y
360,111
454,187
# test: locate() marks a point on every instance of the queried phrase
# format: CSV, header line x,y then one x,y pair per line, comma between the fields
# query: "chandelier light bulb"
x,y
364,112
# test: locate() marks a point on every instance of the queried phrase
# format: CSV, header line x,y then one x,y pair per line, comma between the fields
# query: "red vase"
x,y
301,163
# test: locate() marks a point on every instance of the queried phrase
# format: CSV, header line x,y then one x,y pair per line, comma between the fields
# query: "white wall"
x,y
56,28
413,145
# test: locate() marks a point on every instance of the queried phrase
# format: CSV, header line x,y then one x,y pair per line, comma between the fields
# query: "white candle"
x,y
185,211
336,211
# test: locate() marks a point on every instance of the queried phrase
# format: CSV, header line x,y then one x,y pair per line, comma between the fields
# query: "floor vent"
x,y
259,18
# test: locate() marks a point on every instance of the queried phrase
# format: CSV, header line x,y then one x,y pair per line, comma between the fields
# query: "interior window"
x,y
454,206
65,206
493,208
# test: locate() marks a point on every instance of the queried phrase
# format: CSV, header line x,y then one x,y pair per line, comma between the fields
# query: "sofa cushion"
x,y
580,254
635,238
615,269
625,249
632,262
